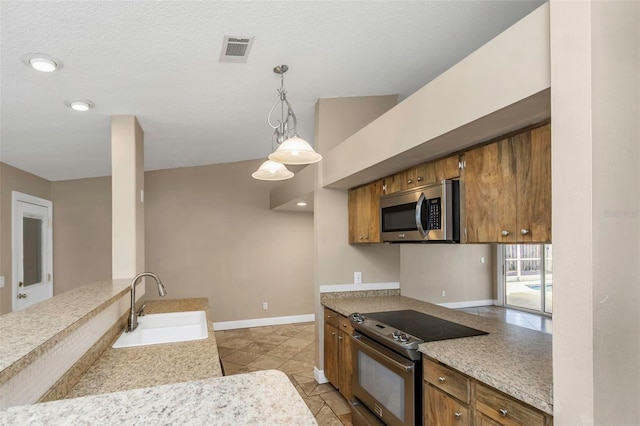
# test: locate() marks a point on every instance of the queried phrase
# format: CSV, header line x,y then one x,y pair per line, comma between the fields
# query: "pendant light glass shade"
x,y
271,170
295,150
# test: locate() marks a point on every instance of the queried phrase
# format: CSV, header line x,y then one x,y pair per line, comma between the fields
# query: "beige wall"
x,y
82,232
428,269
210,233
335,259
13,179
595,73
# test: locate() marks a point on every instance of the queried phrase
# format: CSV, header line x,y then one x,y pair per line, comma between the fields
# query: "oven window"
x,y
399,218
381,383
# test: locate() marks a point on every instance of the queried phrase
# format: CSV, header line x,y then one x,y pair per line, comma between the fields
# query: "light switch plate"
x,y
1,282
357,277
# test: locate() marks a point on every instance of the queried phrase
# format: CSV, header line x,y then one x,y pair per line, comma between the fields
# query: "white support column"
x,y
127,184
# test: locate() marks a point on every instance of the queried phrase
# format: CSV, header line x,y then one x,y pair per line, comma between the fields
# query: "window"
x,y
527,270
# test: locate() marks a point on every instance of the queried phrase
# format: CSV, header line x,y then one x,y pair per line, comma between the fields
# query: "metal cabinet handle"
x,y
339,337
441,379
457,415
410,181
505,233
366,237
419,178
503,412
20,284
524,231
344,325
22,296
333,333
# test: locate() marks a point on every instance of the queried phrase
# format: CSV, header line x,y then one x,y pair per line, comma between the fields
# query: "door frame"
x,y
30,199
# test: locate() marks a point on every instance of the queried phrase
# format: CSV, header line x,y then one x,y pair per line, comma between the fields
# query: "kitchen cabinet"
x,y
447,395
508,189
452,398
331,346
364,213
423,174
338,364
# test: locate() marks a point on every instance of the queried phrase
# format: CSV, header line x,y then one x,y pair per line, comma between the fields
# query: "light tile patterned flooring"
x,y
291,349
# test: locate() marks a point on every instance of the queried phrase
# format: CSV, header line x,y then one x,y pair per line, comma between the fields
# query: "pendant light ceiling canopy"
x,y
291,148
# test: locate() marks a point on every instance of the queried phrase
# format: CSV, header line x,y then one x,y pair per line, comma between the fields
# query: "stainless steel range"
x,y
387,364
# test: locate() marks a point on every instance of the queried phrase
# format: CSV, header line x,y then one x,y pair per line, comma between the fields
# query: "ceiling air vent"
x,y
235,49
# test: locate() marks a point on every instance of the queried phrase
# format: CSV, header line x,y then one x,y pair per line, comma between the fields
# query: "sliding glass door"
x,y
527,271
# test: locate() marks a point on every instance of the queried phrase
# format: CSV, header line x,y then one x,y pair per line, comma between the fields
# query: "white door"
x,y
32,238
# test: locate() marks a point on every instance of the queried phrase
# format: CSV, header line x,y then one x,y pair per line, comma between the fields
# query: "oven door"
x,y
384,381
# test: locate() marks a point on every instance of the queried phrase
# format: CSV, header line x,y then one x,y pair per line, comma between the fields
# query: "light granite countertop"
x,y
29,333
259,398
153,365
512,359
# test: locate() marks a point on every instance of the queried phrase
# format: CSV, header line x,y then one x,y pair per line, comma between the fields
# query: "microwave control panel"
x,y
434,213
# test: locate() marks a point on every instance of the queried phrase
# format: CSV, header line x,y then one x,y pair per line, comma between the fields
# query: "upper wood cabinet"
x,y
423,174
364,213
508,189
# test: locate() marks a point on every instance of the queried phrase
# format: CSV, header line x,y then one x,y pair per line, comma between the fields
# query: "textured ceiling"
x,y
158,60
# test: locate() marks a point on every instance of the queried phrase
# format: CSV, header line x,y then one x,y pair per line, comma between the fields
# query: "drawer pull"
x,y
505,233
333,333
441,379
503,412
409,181
457,415
344,325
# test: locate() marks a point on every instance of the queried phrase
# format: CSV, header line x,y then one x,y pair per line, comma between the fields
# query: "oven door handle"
x,y
358,339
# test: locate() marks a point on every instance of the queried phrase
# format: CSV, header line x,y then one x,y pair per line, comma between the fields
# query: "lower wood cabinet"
x,y
338,364
452,398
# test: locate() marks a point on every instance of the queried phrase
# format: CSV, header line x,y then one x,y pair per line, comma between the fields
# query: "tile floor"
x,y
512,316
291,349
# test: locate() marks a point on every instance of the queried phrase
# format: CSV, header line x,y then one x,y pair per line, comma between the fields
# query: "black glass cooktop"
x,y
423,326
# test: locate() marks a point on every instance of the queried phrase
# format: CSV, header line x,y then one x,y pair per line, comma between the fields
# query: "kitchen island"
x,y
514,360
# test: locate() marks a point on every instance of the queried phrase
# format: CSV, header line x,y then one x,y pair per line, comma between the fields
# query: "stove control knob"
x,y
396,335
358,318
404,338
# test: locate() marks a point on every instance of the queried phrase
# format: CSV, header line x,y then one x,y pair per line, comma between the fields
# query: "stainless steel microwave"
x,y
424,214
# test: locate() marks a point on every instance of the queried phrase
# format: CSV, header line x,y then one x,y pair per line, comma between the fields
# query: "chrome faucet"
x,y
133,317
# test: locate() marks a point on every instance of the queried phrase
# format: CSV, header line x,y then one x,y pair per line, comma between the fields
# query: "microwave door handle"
x,y
419,226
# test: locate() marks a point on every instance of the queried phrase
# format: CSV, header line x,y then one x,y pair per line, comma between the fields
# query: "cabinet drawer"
x,y
345,325
331,317
448,380
504,409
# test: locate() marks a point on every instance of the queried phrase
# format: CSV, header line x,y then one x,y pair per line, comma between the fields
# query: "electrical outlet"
x,y
482,260
444,293
1,282
357,277
265,305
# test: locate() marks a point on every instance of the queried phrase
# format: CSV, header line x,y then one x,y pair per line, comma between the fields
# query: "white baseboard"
x,y
260,322
319,376
358,287
469,304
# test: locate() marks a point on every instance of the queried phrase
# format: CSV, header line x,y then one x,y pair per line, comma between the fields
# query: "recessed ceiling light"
x,y
301,204
42,62
80,104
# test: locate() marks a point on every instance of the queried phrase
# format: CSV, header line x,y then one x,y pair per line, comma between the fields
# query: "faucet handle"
x,y
141,310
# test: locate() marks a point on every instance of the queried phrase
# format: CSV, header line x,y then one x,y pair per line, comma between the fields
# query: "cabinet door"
x,y
482,420
394,183
345,364
418,175
447,168
533,155
444,410
331,353
490,193
364,213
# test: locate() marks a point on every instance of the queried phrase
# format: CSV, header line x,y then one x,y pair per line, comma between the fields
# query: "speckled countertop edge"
x,y
515,360
259,398
154,365
27,334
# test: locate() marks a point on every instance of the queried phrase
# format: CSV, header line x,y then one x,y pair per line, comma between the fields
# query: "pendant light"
x,y
291,148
